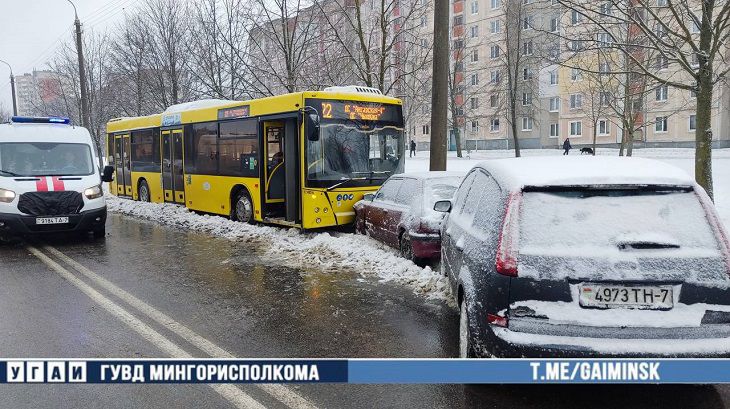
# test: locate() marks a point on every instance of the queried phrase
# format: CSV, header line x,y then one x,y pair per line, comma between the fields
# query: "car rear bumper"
x,y
707,341
426,246
14,224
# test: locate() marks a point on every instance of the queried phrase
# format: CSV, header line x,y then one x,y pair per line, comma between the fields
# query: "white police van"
x,y
50,178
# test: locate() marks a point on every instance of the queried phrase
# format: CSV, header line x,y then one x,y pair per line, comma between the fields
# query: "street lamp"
x,y
82,70
12,87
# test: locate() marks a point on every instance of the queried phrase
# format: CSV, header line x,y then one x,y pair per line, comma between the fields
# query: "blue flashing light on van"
x,y
40,120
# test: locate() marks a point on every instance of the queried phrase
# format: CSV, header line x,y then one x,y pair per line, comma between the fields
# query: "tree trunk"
x,y
595,135
622,145
457,139
513,126
703,135
630,144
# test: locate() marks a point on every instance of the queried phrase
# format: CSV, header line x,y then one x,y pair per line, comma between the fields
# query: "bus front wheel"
x,y
144,192
242,208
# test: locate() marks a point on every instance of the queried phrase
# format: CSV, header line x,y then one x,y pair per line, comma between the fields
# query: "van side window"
x,y
461,193
389,190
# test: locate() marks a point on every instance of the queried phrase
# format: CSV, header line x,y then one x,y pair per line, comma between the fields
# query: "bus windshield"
x,y
354,152
45,159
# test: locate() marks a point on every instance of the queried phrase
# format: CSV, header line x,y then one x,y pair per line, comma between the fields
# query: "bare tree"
x,y
131,74
5,113
690,35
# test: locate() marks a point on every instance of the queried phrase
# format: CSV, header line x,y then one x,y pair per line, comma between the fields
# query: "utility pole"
x,y
12,88
440,85
82,71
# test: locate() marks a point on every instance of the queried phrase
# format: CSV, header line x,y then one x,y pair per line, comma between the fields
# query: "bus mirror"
x,y
106,175
313,133
368,197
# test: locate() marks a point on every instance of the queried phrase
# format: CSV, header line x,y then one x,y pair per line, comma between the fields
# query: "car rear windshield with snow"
x,y
614,220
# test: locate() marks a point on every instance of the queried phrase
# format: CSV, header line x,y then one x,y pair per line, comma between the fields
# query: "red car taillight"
x,y
497,320
716,226
509,237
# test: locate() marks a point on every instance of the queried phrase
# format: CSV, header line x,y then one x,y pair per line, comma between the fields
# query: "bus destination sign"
x,y
234,112
357,111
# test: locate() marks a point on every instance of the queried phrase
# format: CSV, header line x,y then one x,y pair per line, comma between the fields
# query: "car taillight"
x,y
497,320
716,226
509,237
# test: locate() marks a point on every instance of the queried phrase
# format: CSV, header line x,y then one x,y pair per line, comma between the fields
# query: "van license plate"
x,y
656,297
51,220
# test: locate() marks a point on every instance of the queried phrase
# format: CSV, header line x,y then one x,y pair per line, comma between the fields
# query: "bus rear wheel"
x,y
144,192
242,208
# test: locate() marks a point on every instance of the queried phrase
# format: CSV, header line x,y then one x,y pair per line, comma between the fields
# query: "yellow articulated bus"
x,y
299,160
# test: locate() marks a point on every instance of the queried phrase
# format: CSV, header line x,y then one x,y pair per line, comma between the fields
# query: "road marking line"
x,y
281,393
230,392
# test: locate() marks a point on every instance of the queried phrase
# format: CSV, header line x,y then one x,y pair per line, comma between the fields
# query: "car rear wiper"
x,y
646,245
7,172
342,182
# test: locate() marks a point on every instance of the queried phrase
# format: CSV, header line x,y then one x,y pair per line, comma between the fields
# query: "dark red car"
x,y
401,213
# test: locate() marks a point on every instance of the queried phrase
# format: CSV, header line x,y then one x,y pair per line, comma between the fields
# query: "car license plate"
x,y
652,297
51,220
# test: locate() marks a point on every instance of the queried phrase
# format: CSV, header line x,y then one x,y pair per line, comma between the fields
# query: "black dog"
x,y
586,150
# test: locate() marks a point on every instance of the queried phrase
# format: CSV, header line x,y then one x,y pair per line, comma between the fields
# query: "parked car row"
x,y
568,256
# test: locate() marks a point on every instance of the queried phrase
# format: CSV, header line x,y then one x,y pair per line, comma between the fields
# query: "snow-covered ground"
x,y
340,251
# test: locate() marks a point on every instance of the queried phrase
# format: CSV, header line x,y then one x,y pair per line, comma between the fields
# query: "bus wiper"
x,y
342,182
7,172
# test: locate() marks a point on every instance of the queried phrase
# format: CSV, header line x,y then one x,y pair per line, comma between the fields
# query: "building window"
x,y
604,68
576,129
575,17
496,4
575,45
660,126
425,130
493,100
554,104
693,91
606,9
458,20
475,126
494,51
474,31
694,28
495,26
554,130
661,63
475,55
576,74
554,25
661,3
526,99
603,127
526,124
554,77
474,102
661,92
494,125
475,79
526,74
474,7
576,101
495,77
603,40
527,48
527,22
604,98
424,21
692,123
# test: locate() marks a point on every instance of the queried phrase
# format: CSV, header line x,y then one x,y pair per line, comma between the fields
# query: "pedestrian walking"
x,y
413,148
567,146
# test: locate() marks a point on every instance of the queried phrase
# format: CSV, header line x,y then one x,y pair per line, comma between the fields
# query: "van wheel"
x,y
144,192
466,347
242,208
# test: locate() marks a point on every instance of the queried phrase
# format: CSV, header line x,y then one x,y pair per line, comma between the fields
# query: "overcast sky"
x,y
31,30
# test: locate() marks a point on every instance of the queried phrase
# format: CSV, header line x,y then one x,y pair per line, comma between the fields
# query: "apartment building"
x,y
36,91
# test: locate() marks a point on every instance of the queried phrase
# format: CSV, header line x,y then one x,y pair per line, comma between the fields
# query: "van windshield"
x,y
45,159
576,222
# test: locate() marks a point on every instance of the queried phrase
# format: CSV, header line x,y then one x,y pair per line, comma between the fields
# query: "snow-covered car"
x,y
50,179
401,213
594,256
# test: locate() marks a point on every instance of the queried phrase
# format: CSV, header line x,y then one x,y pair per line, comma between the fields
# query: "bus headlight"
x,y
93,192
6,196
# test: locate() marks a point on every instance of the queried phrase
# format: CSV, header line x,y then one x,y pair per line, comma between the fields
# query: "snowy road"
x,y
205,287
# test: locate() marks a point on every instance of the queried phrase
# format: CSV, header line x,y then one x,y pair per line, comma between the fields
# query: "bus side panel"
x,y
212,194
154,182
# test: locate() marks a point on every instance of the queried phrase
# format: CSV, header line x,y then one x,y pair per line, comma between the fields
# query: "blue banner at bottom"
x,y
366,371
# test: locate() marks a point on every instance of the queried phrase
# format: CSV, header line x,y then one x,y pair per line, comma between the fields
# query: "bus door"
x,y
111,161
173,180
281,173
123,164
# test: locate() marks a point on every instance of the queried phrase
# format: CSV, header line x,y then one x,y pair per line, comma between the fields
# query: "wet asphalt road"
x,y
223,292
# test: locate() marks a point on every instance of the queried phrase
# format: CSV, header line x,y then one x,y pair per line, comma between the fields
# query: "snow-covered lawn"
x,y
340,251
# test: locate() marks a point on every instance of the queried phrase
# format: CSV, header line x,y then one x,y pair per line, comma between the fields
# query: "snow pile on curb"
x,y
292,248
